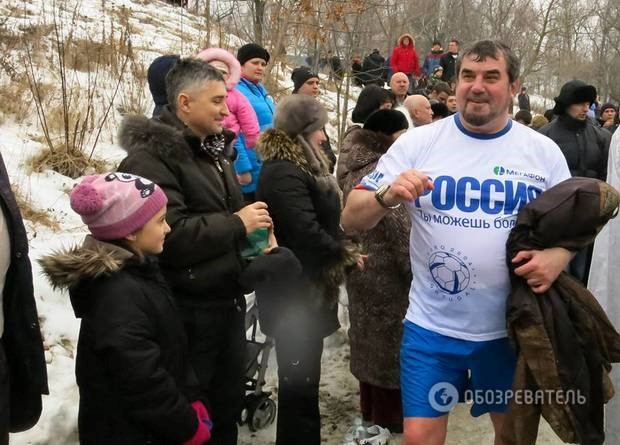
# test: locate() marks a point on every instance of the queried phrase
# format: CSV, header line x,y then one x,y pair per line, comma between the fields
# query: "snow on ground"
x,y
157,28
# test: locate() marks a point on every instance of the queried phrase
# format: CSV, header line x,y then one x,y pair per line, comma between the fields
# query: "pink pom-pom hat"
x,y
115,205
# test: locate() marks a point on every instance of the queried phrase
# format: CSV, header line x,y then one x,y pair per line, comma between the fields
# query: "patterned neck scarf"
x,y
213,145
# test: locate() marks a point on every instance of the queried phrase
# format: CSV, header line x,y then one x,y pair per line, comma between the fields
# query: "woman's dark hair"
x,y
370,99
440,110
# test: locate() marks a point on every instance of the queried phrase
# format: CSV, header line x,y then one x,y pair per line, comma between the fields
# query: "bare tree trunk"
x,y
259,20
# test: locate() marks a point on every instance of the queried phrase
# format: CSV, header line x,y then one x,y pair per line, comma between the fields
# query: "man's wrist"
x,y
381,194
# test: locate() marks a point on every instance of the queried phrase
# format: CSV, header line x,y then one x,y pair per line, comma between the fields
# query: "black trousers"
x,y
4,397
216,338
299,373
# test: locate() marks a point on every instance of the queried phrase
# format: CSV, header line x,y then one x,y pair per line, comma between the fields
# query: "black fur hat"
x,y
574,92
386,121
252,51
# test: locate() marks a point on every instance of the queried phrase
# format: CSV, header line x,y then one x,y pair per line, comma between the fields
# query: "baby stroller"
x,y
259,410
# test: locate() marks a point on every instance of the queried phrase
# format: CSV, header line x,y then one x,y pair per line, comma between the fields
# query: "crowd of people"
x,y
412,218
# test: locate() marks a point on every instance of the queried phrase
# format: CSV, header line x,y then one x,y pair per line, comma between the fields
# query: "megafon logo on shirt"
x,y
501,171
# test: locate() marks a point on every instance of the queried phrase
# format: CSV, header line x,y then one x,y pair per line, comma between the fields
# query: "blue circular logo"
x,y
443,396
449,272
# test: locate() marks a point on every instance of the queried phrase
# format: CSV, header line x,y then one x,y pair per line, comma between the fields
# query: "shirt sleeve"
x,y
390,165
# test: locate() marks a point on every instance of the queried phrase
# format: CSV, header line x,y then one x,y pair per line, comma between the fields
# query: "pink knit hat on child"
x,y
115,205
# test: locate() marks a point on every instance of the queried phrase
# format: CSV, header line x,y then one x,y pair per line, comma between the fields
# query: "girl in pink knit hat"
x,y
242,118
131,364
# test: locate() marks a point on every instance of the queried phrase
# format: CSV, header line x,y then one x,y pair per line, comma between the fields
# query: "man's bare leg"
x,y
498,424
425,430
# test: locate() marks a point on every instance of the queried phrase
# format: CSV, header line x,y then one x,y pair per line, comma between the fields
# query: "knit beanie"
x,y
252,51
574,92
299,114
386,121
300,76
156,77
115,205
608,105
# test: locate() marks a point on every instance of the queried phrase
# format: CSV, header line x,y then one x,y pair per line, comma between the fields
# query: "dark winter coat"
x,y
373,69
131,364
565,342
524,101
404,58
378,295
584,144
305,208
21,338
201,258
448,63
329,152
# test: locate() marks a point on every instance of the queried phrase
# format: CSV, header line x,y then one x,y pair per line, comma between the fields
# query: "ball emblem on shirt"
x,y
449,272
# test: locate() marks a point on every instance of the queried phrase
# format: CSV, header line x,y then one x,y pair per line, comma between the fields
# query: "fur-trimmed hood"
x,y
66,268
211,54
411,41
366,147
166,135
276,145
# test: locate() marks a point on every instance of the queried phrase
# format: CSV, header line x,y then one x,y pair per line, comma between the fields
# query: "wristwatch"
x,y
380,193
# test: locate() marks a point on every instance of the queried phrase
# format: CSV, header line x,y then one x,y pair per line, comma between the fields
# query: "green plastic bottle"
x,y
255,243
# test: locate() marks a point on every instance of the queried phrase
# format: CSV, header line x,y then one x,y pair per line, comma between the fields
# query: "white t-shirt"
x,y
459,230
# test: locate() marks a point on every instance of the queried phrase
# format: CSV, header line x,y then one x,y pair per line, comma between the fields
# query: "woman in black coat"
x,y
304,203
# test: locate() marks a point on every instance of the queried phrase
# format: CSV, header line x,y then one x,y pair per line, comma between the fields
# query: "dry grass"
x,y
133,96
15,100
84,54
67,163
32,214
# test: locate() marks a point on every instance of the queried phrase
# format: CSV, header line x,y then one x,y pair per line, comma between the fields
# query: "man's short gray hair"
x,y
186,75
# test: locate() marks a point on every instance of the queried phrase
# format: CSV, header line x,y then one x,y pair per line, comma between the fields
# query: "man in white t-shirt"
x,y
463,180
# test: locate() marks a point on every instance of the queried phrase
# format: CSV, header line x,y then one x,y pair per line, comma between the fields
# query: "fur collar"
x,y
366,147
277,145
93,259
165,136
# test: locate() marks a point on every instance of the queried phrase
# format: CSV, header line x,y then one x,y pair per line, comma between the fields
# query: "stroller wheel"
x,y
261,412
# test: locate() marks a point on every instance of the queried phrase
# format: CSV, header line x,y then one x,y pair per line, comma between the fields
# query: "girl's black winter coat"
x,y
131,366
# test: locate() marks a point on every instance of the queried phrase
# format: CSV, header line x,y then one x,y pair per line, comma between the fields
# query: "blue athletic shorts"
x,y
437,372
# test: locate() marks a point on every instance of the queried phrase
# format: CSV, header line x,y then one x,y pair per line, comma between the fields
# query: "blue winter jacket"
x,y
261,101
